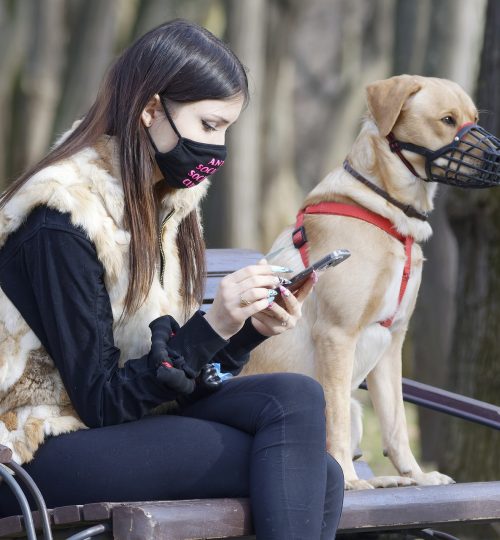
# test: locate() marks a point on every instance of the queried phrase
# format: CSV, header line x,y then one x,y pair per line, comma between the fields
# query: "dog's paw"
x,y
356,484
391,481
433,478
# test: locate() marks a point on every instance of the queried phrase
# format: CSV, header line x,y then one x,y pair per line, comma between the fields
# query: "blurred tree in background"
x,y
472,451
308,62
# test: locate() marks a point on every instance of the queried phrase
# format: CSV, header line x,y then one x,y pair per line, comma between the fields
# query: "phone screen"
x,y
330,260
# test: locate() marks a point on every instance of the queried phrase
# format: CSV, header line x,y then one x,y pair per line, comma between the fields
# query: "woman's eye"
x,y
449,120
207,126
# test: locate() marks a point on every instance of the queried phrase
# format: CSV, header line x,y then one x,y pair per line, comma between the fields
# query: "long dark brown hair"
x,y
182,62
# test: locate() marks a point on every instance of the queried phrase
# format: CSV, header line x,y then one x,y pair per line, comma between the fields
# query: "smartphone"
x,y
332,259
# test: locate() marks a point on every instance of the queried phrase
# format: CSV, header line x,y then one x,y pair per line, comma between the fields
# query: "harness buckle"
x,y
299,237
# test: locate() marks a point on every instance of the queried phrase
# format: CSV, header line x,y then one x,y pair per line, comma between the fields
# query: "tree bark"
x,y
93,36
436,38
14,28
41,80
280,194
475,216
242,172
326,52
340,47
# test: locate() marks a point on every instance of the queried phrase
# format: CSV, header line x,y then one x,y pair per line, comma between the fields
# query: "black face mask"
x,y
471,160
190,162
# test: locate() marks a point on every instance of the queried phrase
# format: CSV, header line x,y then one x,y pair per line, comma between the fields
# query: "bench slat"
x,y
11,525
67,514
104,510
224,261
5,454
177,520
367,510
420,506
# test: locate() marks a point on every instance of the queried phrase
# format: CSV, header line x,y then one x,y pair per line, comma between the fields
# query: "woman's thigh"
x,y
247,403
157,457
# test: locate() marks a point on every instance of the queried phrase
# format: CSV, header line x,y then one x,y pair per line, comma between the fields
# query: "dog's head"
x,y
431,124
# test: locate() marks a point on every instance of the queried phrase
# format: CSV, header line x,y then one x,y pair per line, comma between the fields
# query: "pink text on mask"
x,y
195,177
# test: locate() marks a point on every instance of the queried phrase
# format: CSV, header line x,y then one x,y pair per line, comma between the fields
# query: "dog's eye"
x,y
449,120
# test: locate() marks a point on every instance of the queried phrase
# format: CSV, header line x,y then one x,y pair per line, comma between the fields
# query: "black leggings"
x,y
261,437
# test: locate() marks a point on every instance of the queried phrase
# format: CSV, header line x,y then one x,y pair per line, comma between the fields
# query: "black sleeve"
x,y
235,355
70,312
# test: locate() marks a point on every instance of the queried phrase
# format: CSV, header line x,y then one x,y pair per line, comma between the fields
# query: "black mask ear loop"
x,y
169,118
171,122
151,140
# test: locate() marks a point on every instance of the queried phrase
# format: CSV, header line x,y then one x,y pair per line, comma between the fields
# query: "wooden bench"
x,y
393,509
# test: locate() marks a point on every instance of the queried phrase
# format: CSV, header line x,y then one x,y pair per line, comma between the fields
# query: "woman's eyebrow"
x,y
220,119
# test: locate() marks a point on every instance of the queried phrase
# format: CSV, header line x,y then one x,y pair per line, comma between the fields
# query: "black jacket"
x,y
50,271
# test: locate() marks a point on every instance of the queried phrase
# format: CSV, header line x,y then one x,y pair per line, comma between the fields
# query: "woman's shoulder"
x,y
41,220
46,217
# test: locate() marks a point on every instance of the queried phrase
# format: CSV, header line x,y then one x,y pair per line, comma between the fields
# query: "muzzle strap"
x,y
395,147
471,160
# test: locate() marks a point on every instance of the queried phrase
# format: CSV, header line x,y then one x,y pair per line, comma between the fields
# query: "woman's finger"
x,y
271,281
257,270
289,302
273,326
308,286
249,296
285,315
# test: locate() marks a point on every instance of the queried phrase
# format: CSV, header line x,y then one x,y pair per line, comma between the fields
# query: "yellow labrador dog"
x,y
354,323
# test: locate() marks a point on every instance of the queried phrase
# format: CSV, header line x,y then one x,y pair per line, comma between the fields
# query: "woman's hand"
x,y
284,313
240,295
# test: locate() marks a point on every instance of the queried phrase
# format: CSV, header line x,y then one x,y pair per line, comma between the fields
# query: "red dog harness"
x,y
338,209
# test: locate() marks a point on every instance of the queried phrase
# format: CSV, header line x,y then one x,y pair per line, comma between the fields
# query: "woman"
x,y
101,254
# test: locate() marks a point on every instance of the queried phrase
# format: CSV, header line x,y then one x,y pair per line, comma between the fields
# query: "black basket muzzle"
x,y
471,160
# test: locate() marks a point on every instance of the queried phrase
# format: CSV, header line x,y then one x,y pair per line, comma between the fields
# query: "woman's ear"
x,y
150,111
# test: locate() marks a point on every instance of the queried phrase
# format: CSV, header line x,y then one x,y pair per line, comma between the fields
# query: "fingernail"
x,y
271,293
284,281
314,277
280,269
270,301
284,292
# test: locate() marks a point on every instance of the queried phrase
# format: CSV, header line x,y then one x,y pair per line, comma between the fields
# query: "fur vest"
x,y
33,401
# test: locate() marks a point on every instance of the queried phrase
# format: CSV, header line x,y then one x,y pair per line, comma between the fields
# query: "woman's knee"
x,y
293,390
334,486
334,476
334,497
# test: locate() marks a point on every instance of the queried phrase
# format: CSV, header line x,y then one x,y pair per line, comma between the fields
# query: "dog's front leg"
x,y
385,388
334,359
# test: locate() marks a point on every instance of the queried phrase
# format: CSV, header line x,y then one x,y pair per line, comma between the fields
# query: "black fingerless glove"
x,y
170,363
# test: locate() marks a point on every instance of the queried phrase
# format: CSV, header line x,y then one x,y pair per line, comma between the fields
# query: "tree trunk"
x,y
340,47
475,217
280,194
94,29
14,29
437,38
326,52
242,172
42,76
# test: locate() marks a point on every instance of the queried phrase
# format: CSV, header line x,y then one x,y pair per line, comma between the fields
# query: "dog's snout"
x,y
491,160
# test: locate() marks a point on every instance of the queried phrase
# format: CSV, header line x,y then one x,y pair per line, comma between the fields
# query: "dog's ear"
x,y
386,99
